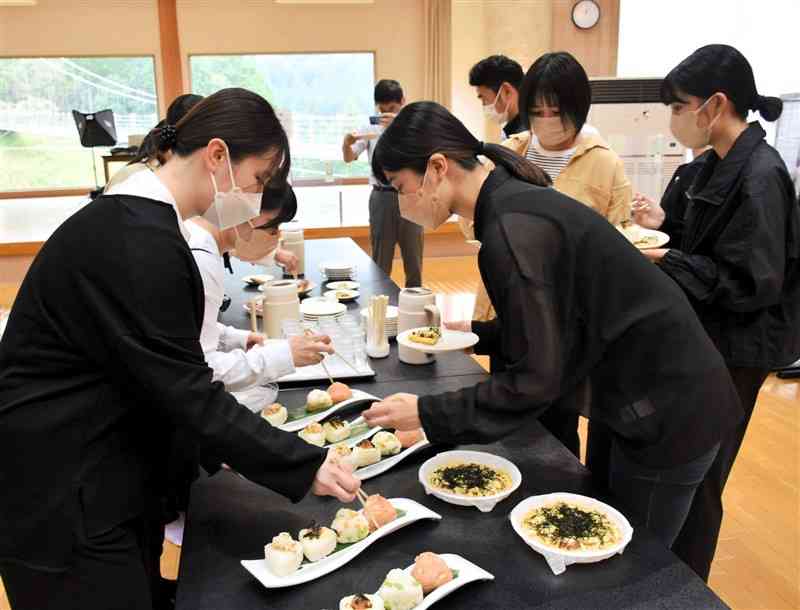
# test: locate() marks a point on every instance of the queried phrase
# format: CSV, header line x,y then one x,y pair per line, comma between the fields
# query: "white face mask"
x,y
684,128
234,207
253,245
491,113
430,214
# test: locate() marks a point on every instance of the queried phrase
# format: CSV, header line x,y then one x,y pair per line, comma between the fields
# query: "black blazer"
x,y
739,259
576,301
99,365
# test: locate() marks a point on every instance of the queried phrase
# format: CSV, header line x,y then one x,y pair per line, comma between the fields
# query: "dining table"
x,y
230,519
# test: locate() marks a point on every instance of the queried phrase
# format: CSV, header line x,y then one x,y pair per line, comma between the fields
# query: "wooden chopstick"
x,y
253,319
327,372
346,361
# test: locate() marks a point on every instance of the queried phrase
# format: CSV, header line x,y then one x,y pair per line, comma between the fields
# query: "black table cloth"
x,y
232,519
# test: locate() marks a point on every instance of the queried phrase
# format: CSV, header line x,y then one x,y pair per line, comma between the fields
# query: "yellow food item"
x,y
571,527
428,336
470,479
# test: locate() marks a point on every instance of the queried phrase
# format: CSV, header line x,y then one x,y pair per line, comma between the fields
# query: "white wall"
x,y
654,36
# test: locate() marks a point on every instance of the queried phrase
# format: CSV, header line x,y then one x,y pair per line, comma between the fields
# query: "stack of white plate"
x,y
314,310
390,325
337,270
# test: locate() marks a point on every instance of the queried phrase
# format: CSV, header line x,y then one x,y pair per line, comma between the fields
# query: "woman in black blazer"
x,y
576,302
101,367
738,258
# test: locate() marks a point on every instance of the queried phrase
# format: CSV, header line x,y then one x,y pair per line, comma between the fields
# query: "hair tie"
x,y
167,137
481,147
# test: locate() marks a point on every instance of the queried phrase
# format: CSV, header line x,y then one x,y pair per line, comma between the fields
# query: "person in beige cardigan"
x,y
555,98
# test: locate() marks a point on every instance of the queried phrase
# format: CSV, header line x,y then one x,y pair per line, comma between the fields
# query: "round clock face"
x,y
586,14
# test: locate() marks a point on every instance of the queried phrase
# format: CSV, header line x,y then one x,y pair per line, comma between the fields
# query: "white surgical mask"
x,y
684,127
234,207
429,213
491,113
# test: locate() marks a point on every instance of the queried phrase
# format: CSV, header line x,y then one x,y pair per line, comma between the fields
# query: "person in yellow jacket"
x,y
555,98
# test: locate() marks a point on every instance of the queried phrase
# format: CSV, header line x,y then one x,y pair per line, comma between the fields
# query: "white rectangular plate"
x,y
311,571
387,463
467,572
299,424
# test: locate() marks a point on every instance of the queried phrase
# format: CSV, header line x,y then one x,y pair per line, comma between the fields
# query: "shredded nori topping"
x,y
571,522
467,475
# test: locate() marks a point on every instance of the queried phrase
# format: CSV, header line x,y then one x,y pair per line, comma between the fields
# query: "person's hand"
x,y
646,212
254,339
350,138
464,326
655,254
336,479
386,118
398,411
288,260
308,350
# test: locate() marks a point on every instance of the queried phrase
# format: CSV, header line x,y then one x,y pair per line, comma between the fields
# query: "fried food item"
x,y
428,336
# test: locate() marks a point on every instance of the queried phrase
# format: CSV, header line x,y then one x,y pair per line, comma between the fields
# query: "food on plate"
x,y
428,336
379,511
303,285
408,438
336,430
257,280
470,479
365,453
345,454
283,555
387,443
636,234
339,392
318,400
318,542
276,414
400,591
430,571
361,601
571,527
350,526
313,434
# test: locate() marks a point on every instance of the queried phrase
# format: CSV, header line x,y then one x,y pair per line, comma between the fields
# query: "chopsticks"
x,y
308,333
253,318
363,497
346,361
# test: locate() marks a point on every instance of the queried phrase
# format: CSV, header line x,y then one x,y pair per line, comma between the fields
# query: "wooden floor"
x,y
757,566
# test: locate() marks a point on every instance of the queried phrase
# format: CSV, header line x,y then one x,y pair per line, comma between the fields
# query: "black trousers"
x,y
116,570
387,229
697,541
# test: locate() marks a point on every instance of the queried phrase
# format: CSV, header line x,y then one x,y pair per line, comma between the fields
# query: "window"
x,y
319,97
39,145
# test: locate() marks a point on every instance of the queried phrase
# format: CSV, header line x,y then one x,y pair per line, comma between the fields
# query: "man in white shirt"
x,y
386,227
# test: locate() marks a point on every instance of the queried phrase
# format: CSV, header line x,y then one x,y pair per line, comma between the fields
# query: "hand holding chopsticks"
x,y
363,497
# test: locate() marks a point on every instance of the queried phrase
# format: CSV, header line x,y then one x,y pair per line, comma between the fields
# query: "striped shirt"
x,y
553,162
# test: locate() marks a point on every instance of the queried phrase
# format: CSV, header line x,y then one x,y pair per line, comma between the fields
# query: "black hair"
x,y
244,120
422,129
279,197
388,91
557,79
719,68
182,104
495,70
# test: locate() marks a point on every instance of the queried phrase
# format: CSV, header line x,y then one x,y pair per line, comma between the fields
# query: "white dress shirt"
x,y
225,347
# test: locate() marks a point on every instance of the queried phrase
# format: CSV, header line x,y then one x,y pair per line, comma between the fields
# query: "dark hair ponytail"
x,y
719,68
423,129
180,106
244,120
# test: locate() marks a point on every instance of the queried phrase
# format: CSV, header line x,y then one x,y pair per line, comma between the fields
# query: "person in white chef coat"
x,y
239,358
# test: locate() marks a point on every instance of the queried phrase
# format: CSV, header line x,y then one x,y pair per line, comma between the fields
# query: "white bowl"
x,y
557,559
484,504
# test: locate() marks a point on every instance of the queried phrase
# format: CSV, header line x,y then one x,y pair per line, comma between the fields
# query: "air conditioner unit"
x,y
629,115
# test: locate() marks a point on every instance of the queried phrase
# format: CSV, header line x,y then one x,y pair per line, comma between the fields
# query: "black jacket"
x,y
100,364
739,260
675,200
576,301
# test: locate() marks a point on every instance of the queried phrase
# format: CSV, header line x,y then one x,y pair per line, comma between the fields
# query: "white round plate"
x,y
450,341
345,285
654,239
336,267
349,295
317,309
557,559
257,279
311,571
484,504
302,288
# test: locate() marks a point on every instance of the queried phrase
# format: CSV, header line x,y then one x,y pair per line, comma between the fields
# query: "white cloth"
x,y
225,347
147,184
